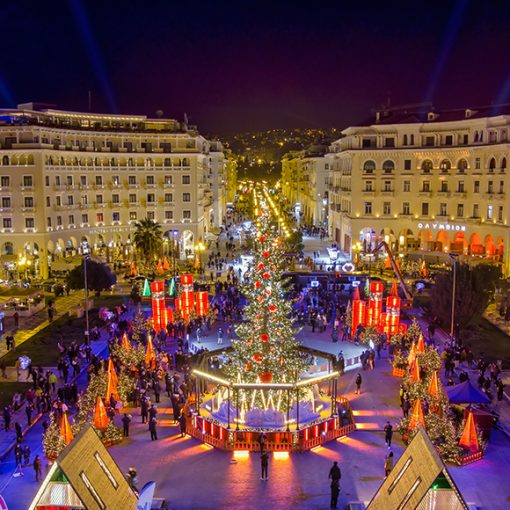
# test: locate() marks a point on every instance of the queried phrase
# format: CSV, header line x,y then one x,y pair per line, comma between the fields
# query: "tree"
x,y
294,243
266,350
474,286
99,277
148,239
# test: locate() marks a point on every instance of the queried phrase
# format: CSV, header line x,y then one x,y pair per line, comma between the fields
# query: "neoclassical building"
x,y
69,178
426,180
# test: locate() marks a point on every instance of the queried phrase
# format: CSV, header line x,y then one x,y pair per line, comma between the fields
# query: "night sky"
x,y
253,65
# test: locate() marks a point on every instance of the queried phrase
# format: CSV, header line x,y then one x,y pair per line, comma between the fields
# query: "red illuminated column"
x,y
358,315
393,313
202,300
375,303
158,304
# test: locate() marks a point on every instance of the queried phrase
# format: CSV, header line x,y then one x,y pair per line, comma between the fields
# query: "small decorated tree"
x,y
53,442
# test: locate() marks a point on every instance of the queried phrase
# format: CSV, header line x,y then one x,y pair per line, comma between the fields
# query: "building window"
x,y
5,181
490,187
69,180
500,213
388,166
425,209
168,179
407,164
426,166
404,142
476,211
443,211
186,197
489,211
83,180
445,165
460,210
84,199
501,187
7,222
29,222
151,215
151,198
407,186
71,219
29,201
169,197
132,198
426,186
47,180
368,207
387,208
444,186
448,140
115,198
57,180
99,180
406,209
84,218
186,215
369,167
429,141
477,163
460,187
115,180
27,180
476,187
169,215
6,202
492,164
186,179
99,217
150,179
99,199
387,186
70,200
132,179
132,215
389,142
116,216
58,200
48,221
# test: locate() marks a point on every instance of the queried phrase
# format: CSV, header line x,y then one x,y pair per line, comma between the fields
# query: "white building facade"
x,y
432,182
69,178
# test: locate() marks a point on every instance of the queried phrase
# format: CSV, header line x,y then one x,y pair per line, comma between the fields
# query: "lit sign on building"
x,y
443,226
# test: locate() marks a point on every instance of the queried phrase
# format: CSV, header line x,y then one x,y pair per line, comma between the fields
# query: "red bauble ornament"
x,y
262,238
260,266
266,276
257,357
257,285
272,308
268,291
264,337
266,377
266,254
260,299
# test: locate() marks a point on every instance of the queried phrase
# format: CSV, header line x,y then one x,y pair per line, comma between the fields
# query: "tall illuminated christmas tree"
x,y
266,350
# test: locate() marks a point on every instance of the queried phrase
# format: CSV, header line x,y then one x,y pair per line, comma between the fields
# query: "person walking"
x,y
26,455
18,454
182,424
358,382
388,464
388,434
220,335
19,432
152,429
264,463
334,473
29,409
37,468
144,407
335,491
126,420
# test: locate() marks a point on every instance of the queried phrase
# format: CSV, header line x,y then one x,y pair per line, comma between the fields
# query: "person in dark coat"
x,y
152,429
264,463
153,411
19,432
144,407
335,473
335,491
182,424
388,433
37,468
26,455
358,384
18,454
126,420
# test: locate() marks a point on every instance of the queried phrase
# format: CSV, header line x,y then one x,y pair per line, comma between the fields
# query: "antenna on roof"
x,y
90,100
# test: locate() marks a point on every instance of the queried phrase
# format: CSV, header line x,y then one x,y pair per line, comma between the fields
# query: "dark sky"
x,y
253,65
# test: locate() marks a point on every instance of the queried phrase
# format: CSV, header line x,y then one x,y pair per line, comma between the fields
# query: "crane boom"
x,y
394,265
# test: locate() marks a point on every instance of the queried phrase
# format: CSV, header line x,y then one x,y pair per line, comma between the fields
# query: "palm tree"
x,y
148,239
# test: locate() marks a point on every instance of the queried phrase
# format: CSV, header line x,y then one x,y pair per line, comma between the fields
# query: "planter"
x,y
470,457
398,372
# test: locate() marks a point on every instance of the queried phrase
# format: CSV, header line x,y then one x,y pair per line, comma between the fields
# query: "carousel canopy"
x,y
466,393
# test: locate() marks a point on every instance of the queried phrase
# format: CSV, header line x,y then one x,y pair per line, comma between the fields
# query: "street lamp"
x,y
174,249
453,256
86,258
200,247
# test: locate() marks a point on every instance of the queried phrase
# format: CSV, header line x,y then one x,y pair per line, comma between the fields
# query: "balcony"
x,y
443,193
28,209
388,193
425,193
459,194
368,193
474,219
405,214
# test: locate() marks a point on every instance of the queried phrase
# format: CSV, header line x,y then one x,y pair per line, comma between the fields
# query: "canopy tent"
x,y
466,393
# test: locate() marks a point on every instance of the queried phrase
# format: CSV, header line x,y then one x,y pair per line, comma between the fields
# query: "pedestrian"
x,y
132,479
7,417
37,468
18,454
182,424
19,432
220,335
29,409
262,440
153,411
335,491
144,407
388,464
388,434
26,455
406,407
152,429
358,381
16,319
126,420
334,473
264,463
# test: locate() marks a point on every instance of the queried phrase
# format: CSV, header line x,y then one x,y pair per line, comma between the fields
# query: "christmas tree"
x,y
141,327
266,351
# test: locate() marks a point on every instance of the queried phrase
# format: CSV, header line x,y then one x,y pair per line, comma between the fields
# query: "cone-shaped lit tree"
x,y
469,438
65,430
126,344
100,416
415,372
266,351
150,354
417,415
112,382
420,346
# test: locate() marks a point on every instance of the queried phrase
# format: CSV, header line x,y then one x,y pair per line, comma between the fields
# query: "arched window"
x,y
412,139
503,164
492,164
405,140
445,165
168,162
388,166
427,166
369,166
462,165
185,162
8,248
476,137
5,160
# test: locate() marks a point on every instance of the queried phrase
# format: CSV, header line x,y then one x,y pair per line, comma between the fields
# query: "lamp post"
x,y
454,293
200,247
86,258
174,249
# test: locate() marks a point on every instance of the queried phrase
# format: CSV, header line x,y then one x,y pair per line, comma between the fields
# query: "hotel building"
x,y
69,178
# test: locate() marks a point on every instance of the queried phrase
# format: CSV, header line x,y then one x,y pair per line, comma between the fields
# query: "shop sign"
x,y
443,226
